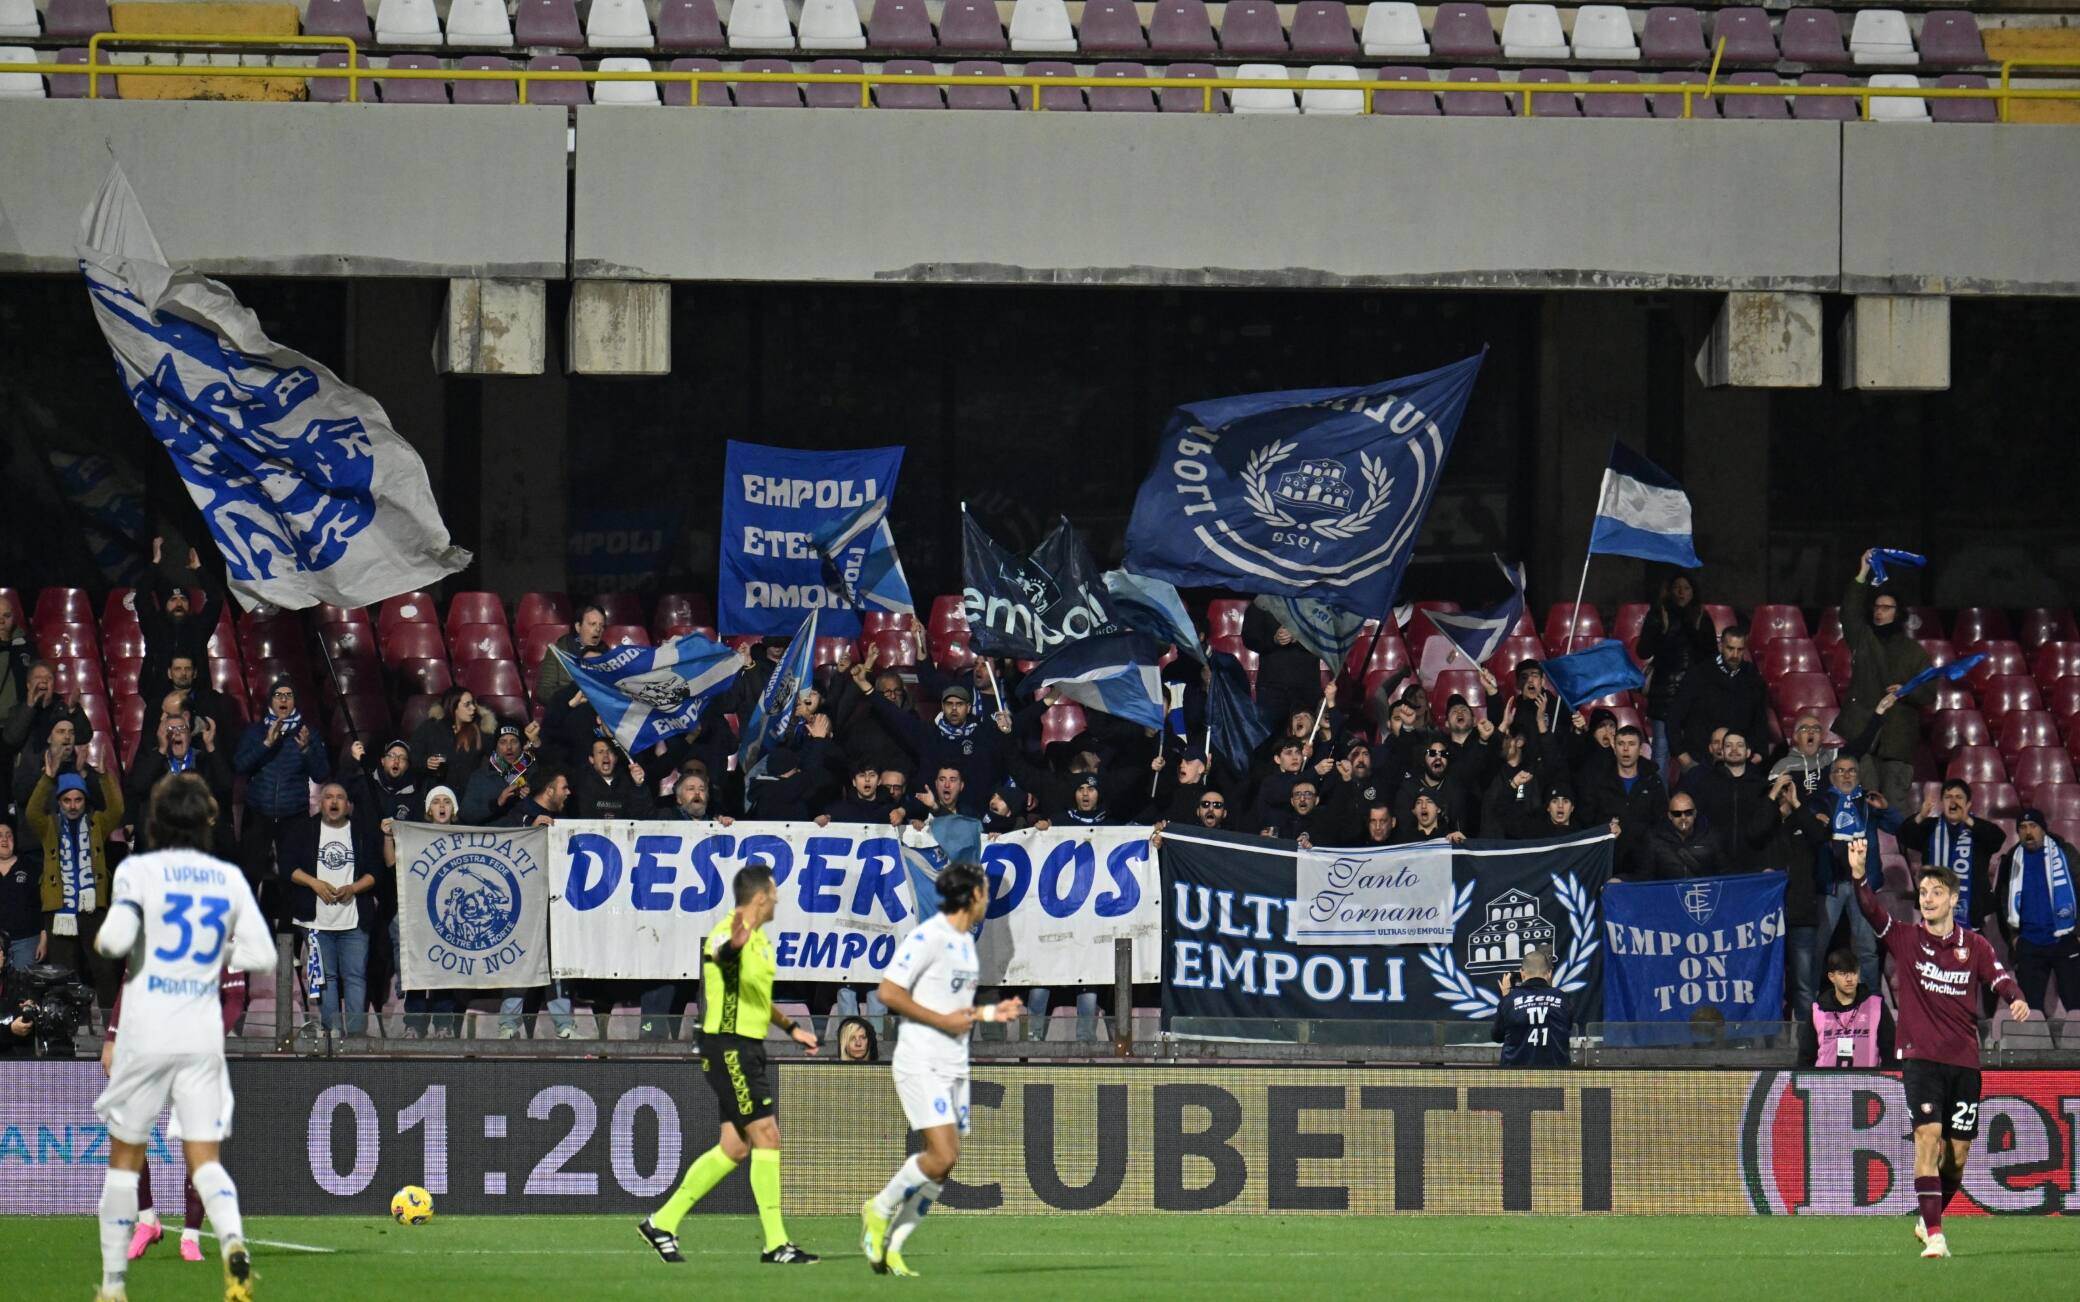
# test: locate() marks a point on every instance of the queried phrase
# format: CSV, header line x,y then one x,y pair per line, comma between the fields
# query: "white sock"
x,y
191,1236
149,1216
914,1209
896,1193
220,1203
118,1219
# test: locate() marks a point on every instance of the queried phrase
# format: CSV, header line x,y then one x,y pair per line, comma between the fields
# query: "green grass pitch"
x,y
579,1258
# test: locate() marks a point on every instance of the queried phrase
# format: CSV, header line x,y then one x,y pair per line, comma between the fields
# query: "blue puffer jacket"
x,y
278,777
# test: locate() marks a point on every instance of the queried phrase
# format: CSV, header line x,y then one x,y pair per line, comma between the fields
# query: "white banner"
x,y
472,906
1394,895
635,900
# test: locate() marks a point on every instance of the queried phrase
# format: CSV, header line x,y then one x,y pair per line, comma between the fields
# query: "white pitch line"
x,y
277,1243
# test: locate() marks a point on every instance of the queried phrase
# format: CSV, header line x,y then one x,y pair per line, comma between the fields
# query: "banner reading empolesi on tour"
x,y
1227,955
635,900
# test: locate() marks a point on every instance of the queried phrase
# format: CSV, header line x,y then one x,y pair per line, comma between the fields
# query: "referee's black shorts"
x,y
1942,1093
735,1068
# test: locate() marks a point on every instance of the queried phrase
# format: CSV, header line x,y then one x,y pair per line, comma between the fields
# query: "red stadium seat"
x,y
407,608
2050,662
543,608
1789,654
1829,627
1419,625
1950,730
1927,621
474,608
1840,664
534,643
122,675
102,754
674,613
1722,617
894,648
482,642
413,641
834,650
417,709
1387,652
1996,799
1629,715
622,607
68,641
367,714
79,674
348,641
951,652
1586,623
1438,654
627,635
2041,624
424,676
1459,682
2003,658
1980,624
119,610
1224,616
2000,697
326,613
881,621
2023,729
1513,651
1774,623
282,641
949,615
227,676
2060,801
2041,766
1976,764
63,606
1632,618
2063,699
1795,692
1063,721
353,676
492,678
505,709
125,643
1940,651
742,641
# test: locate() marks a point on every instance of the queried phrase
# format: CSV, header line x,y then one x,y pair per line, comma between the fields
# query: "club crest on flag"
x,y
1318,488
1701,900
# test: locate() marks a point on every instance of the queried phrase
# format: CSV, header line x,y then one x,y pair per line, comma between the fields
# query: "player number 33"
x,y
213,910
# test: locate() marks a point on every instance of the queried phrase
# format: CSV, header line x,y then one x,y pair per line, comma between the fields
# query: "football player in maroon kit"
x,y
1938,968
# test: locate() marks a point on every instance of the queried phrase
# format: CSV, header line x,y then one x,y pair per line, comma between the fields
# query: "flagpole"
x,y
1574,618
994,689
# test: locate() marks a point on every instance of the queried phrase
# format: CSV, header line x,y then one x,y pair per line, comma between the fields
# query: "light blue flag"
x,y
1642,512
644,695
1594,672
1114,674
313,968
1320,627
308,491
859,561
1479,633
1954,671
1152,606
772,722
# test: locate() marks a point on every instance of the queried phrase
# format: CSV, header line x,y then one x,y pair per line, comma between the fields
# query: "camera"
x,y
53,1001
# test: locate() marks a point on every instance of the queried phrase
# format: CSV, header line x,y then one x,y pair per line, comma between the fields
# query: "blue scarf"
x,y
1850,819
180,763
953,732
2058,885
75,869
1954,851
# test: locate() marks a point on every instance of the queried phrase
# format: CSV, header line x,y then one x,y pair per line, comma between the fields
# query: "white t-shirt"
x,y
197,917
335,868
936,963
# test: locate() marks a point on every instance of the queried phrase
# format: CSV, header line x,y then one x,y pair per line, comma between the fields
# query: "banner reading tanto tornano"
x,y
635,900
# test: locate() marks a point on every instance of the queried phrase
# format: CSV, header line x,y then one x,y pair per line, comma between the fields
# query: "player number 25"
x,y
213,908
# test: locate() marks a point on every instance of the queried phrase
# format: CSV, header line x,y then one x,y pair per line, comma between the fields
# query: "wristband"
x,y
988,1012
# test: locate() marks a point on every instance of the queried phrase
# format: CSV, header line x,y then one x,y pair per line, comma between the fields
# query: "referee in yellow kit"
x,y
737,969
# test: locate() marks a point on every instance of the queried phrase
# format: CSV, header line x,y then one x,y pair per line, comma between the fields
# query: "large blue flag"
x,y
1234,724
859,561
1642,512
772,721
775,501
1479,633
1594,672
306,488
644,695
1115,674
1306,493
1708,942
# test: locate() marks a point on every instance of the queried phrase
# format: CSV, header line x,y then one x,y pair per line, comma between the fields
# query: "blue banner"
x,y
1306,493
775,501
1678,948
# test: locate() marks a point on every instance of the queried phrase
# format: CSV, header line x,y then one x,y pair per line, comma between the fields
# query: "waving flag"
x,y
1153,607
772,722
644,695
1025,606
307,489
1883,556
1594,672
859,561
1306,493
1642,512
1320,627
1235,723
1954,671
1115,674
1479,633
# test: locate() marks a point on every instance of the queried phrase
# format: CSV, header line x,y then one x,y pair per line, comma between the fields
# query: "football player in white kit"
x,y
180,917
931,986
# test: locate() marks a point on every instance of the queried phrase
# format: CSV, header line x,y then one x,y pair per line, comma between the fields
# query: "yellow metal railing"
x,y
2003,94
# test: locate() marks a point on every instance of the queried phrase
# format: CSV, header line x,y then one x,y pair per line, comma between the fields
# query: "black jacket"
x,y
1671,856
980,754
165,638
213,767
1709,698
1671,641
1809,1039
851,809
1793,844
623,797
1726,800
300,851
1918,836
1289,677
1602,796
1534,1024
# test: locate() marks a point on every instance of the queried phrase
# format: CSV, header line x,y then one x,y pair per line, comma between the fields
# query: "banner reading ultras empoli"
x,y
774,500
635,900
473,906
1226,953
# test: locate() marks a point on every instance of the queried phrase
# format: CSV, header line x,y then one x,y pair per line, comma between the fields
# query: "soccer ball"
x,y
411,1205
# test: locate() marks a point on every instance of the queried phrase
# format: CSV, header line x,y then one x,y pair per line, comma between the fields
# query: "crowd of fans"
x,y
1695,793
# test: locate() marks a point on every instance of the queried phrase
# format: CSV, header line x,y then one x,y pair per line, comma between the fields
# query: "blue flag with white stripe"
x,y
772,721
1642,512
306,488
859,561
1593,673
1153,607
1478,634
1306,493
1115,674
644,695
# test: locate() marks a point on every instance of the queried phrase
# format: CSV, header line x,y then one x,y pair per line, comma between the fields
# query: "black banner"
x,y
1226,956
1027,606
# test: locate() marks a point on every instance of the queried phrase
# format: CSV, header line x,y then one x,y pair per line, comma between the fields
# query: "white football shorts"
x,y
197,1085
933,1099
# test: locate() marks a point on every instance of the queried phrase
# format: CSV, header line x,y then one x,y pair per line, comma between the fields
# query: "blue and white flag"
x,y
1642,512
1594,672
1114,674
772,722
313,967
1320,627
1479,633
1883,556
859,561
1955,671
1234,724
307,489
775,503
1306,493
644,695
1708,942
1153,607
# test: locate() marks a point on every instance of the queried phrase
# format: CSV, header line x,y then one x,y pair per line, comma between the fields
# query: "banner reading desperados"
x,y
473,906
635,900
774,503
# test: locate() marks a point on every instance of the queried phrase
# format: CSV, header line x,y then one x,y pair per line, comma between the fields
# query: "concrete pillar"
x,y
1763,341
1893,341
493,327
621,327
523,470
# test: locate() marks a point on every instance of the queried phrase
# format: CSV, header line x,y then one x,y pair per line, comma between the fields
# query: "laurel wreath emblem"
x,y
1456,986
1256,471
